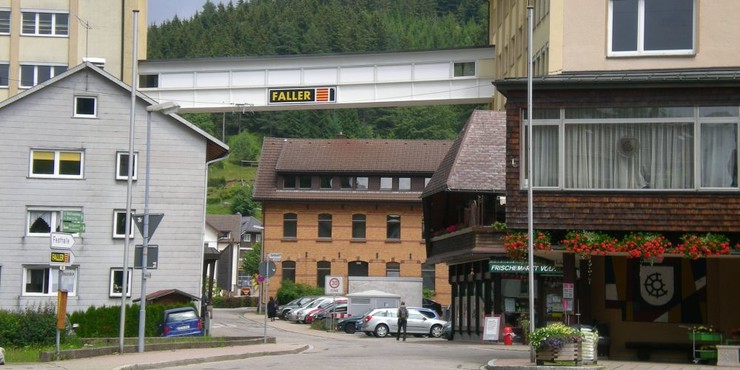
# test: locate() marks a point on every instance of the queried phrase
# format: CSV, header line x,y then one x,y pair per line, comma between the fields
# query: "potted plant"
x,y
704,333
556,343
588,243
695,246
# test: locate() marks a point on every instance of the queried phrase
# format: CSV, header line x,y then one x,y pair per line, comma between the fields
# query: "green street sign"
x,y
73,216
72,227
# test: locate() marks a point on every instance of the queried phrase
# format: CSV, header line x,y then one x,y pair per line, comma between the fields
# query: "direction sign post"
x,y
62,241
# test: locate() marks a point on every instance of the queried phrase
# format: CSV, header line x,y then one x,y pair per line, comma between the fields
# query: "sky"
x,y
160,10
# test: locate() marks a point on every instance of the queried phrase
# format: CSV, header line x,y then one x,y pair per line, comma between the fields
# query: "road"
x,y
337,350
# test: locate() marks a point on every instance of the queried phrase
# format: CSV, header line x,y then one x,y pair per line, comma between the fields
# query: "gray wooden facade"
x,y
43,119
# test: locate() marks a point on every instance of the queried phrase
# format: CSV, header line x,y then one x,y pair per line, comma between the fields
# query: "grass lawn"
x,y
223,178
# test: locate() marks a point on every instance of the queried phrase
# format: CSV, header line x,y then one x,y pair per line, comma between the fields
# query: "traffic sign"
x,y
154,219
59,258
333,285
62,241
274,256
152,256
265,271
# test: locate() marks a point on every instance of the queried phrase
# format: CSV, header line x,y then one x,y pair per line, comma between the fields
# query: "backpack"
x,y
403,313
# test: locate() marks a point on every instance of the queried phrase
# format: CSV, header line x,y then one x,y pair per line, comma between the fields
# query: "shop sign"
x,y
510,267
302,95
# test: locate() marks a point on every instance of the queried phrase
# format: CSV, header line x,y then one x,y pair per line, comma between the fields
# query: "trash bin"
x,y
508,336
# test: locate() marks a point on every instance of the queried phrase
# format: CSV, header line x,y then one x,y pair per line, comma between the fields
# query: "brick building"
x,y
344,207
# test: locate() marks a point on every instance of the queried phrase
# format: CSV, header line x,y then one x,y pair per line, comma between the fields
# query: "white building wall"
x,y
43,120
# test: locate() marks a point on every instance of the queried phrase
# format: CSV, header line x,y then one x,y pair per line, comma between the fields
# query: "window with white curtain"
x,y
635,148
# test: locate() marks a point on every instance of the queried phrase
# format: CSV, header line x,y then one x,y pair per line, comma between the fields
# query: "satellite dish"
x,y
627,146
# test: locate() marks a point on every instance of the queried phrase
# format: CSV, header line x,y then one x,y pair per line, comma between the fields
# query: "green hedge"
x,y
289,291
234,302
31,327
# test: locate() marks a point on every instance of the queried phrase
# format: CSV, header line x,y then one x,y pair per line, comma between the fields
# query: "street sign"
x,y
154,219
61,258
62,241
73,222
152,256
265,271
274,256
333,285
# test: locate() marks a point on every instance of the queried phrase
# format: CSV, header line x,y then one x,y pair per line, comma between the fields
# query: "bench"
x,y
644,349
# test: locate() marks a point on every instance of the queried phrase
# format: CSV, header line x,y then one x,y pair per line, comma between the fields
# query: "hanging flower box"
x,y
707,354
707,336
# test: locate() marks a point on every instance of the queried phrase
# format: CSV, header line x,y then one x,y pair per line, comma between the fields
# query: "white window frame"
x,y
40,79
111,286
122,235
696,119
641,35
51,283
404,184
55,31
247,237
384,181
57,158
55,221
119,166
77,114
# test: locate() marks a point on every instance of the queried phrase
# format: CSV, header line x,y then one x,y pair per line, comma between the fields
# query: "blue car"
x,y
180,322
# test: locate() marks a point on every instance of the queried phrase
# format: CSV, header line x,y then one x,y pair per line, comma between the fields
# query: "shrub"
x,y
554,336
289,291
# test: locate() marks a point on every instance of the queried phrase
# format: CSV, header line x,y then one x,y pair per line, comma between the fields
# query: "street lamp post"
x,y
264,289
164,108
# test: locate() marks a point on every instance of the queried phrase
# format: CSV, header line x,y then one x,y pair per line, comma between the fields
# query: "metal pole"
x,y
530,179
129,186
145,244
267,281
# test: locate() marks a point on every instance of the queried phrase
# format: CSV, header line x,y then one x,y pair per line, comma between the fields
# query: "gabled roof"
x,y
345,156
249,223
215,149
476,162
166,292
230,223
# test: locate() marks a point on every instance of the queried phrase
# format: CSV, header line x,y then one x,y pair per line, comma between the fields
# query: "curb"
x,y
201,360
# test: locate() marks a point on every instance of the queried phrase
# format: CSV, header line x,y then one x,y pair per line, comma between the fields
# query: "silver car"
x,y
383,321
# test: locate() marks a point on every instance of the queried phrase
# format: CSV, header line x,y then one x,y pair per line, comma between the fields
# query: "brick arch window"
x,y
357,268
323,269
290,225
393,269
288,271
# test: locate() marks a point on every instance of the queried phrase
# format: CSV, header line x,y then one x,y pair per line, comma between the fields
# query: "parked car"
x,y
297,315
383,321
179,322
434,305
307,316
283,310
428,312
447,331
326,313
349,324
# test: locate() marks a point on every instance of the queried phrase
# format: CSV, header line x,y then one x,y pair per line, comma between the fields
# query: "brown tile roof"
x,y
345,156
231,223
476,161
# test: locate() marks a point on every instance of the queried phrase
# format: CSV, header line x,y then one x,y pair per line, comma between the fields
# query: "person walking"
x,y
272,309
403,315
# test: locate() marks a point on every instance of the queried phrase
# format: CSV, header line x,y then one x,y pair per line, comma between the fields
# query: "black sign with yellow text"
x,y
303,95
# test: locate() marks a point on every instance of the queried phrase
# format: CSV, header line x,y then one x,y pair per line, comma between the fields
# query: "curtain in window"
x,y
40,222
719,155
545,155
629,156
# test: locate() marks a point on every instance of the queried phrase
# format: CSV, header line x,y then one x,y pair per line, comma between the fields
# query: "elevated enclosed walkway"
x,y
327,81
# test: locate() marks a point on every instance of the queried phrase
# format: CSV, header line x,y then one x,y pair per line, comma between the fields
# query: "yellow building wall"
x,y
306,250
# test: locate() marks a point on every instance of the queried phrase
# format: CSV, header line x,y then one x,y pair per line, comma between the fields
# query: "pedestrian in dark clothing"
x,y
272,309
403,315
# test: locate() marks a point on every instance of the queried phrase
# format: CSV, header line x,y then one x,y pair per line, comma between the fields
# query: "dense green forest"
x,y
292,27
